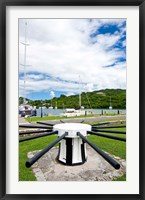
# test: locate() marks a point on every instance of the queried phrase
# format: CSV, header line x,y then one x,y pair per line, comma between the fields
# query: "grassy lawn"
x,y
45,118
115,147
25,174
122,178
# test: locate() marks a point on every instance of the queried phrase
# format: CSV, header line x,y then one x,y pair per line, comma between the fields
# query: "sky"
x,y
70,56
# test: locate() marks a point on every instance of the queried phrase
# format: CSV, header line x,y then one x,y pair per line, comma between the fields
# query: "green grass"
x,y
114,147
122,178
45,118
25,174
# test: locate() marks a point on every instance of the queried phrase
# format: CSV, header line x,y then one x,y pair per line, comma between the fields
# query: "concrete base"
x,y
95,168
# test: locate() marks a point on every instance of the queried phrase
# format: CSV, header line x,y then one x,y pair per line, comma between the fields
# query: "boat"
x,y
50,107
26,110
71,112
43,107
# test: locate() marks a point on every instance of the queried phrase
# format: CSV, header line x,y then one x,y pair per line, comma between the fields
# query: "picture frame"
x,y
4,90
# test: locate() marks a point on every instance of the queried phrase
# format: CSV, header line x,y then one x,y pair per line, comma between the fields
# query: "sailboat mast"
x,y
56,105
110,107
80,96
25,61
80,100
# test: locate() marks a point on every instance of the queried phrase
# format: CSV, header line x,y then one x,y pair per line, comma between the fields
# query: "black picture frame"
x,y
3,99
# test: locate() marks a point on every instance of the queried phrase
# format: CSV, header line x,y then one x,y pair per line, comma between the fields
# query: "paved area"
x,y
119,118
22,120
93,119
47,168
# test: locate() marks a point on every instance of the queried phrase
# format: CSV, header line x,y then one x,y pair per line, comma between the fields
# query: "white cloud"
x,y
70,93
89,87
63,49
107,40
34,76
52,94
124,43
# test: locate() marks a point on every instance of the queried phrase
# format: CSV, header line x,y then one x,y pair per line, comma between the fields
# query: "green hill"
x,y
96,99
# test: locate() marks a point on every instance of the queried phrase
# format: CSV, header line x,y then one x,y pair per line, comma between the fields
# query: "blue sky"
x,y
70,56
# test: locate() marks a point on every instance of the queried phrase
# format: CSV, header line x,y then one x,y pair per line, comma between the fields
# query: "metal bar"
x,y
32,126
101,127
107,136
108,131
99,124
41,153
37,136
62,121
36,131
45,123
110,160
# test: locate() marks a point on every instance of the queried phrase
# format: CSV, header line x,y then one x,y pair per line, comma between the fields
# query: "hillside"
x,y
96,99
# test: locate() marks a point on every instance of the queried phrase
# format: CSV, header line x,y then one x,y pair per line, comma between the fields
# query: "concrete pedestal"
x,y
72,150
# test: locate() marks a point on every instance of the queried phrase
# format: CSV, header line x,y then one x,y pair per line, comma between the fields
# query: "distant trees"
x,y
96,99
